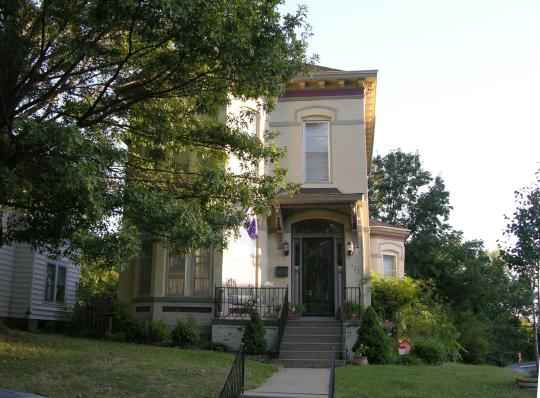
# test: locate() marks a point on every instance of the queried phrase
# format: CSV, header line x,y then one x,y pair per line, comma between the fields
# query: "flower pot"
x,y
360,360
293,315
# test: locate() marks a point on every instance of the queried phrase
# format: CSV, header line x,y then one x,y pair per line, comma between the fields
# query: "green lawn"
x,y
447,381
63,367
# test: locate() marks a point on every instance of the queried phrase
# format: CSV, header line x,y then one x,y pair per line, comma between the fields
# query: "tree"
x,y
96,97
377,345
401,192
522,249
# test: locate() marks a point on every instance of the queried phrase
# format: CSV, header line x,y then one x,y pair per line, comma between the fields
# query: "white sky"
x,y
459,82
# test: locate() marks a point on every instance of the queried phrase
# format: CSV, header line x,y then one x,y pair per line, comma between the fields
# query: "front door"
x,y
318,276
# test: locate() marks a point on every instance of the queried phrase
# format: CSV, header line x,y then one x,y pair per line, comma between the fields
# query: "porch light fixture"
x,y
285,248
350,248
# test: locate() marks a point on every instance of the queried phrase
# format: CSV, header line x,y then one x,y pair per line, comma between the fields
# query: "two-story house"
x,y
316,250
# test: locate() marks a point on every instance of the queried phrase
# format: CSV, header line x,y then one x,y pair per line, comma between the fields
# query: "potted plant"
x,y
359,355
295,311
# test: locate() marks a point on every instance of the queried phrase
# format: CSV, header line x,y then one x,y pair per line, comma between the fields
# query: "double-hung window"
x,y
55,283
189,275
316,151
389,265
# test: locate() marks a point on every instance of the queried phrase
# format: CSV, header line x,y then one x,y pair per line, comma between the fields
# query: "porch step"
x,y
311,346
310,363
319,355
312,330
315,322
311,338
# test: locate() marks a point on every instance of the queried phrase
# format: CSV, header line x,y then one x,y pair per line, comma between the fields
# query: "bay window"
x,y
189,275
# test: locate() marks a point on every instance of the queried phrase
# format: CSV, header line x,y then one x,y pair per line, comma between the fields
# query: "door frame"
x,y
297,266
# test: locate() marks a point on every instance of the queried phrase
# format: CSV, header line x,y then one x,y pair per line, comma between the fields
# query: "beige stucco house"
x,y
318,247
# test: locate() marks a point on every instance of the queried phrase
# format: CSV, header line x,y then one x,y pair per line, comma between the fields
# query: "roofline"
x,y
338,75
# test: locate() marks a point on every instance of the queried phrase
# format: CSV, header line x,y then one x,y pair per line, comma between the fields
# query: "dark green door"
x,y
318,276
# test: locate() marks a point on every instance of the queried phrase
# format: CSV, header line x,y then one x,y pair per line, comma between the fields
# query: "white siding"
x,y
22,281
7,259
52,311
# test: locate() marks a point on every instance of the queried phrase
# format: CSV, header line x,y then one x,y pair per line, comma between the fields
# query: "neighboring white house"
x,y
35,287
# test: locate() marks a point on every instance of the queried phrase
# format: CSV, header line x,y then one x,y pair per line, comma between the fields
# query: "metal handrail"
x,y
239,302
234,384
284,316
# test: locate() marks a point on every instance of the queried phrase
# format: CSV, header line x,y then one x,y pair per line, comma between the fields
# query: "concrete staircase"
x,y
311,343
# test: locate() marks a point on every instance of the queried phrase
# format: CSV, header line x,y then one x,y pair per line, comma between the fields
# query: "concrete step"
x,y
323,355
314,323
304,346
311,338
309,363
313,330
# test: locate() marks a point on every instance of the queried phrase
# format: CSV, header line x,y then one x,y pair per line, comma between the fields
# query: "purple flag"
x,y
251,227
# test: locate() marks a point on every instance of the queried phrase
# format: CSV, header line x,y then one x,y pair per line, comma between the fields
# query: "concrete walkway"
x,y
294,383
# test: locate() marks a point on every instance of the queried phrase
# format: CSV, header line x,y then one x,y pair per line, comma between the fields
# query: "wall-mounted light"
x,y
285,248
350,248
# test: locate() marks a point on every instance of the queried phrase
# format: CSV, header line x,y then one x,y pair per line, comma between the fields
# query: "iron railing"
x,y
234,384
284,316
352,295
332,382
238,302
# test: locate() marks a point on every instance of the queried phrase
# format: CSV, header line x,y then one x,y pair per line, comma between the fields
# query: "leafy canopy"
x,y
98,97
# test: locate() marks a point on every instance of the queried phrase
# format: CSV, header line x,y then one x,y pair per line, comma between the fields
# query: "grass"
x,y
447,381
64,367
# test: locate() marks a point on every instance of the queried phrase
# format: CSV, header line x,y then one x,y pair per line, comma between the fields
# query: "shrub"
x,y
185,333
430,351
134,331
218,347
474,338
3,328
157,332
409,360
253,339
378,346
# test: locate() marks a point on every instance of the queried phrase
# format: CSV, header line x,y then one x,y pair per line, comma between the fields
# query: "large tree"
x,y
485,298
97,97
522,249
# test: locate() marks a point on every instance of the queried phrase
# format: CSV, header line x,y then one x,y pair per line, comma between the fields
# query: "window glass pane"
x,y
339,253
176,275
49,282
316,147
317,227
201,273
61,285
145,276
389,263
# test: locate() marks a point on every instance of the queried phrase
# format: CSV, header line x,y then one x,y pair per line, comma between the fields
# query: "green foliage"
x,y
97,281
430,351
253,338
390,295
186,333
473,337
124,89
430,321
157,332
377,345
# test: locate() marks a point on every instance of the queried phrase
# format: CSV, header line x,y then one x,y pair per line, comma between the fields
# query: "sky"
x,y
459,82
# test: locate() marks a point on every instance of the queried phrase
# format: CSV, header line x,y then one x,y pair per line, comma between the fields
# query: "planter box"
x,y
360,360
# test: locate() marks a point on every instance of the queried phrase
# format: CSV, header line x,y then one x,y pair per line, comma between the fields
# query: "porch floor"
x,y
294,383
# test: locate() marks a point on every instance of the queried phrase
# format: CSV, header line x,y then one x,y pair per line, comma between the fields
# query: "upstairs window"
x,y
389,264
316,145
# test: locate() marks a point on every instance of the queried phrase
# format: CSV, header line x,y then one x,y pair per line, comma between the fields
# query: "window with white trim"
x,y
389,265
189,275
316,151
55,283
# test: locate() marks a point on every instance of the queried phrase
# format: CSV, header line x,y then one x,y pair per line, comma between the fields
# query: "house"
x,y
316,250
35,287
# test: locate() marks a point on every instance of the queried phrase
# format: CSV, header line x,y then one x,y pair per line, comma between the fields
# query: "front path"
x,y
294,383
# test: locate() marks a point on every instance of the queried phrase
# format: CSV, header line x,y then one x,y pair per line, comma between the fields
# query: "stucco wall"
x,y
230,335
348,167
381,245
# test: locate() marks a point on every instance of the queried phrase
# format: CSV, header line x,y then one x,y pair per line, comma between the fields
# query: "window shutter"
x,y
316,151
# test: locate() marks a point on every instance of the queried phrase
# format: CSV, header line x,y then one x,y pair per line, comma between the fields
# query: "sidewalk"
x,y
294,383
